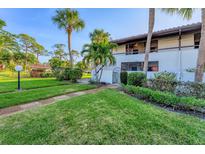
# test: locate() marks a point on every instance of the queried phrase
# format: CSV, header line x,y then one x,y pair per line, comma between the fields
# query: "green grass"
x,y
107,117
15,98
29,83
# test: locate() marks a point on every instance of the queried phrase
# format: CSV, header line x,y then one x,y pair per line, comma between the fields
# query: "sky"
x,y
118,22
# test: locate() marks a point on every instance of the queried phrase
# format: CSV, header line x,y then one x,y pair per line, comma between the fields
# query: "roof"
x,y
40,66
162,33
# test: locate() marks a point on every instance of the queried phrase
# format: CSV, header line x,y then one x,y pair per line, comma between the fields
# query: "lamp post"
x,y
19,68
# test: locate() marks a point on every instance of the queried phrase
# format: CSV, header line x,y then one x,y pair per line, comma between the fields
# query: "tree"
x,y
149,38
59,58
2,23
99,36
99,53
8,41
39,50
59,51
27,45
70,21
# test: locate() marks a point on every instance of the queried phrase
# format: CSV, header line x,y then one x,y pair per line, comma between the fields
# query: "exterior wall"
x,y
168,42
169,60
187,40
120,49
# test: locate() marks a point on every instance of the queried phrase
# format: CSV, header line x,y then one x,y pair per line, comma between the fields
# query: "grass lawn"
x,y
15,98
107,117
29,83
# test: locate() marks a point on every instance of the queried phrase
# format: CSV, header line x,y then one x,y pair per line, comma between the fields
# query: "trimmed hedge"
x,y
123,77
136,79
166,98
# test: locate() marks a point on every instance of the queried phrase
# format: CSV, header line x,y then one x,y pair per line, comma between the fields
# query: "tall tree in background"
x,y
59,51
39,50
27,45
149,38
70,21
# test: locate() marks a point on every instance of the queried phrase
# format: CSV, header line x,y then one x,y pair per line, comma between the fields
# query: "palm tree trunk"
x,y
69,48
149,38
201,54
101,74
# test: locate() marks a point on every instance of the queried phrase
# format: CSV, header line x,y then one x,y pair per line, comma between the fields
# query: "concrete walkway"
x,y
20,108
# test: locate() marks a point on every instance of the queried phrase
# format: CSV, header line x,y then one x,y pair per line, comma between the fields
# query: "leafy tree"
x,y
59,52
7,40
99,53
70,21
39,50
2,23
27,45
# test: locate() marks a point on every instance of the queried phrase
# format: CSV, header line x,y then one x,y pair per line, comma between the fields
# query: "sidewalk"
x,y
23,107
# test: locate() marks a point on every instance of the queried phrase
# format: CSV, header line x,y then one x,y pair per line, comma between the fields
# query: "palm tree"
x,y
70,21
149,38
186,13
99,35
99,52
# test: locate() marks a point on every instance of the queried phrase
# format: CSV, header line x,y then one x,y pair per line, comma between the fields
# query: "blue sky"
x,y
118,22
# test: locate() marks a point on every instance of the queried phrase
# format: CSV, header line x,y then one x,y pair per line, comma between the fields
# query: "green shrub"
x,y
123,77
72,74
163,81
75,74
47,75
136,78
165,98
195,89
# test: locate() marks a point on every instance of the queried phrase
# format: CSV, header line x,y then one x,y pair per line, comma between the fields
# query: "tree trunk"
x,y
37,56
201,54
100,74
26,58
69,48
149,38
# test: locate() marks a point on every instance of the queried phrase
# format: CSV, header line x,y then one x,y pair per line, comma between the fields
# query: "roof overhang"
x,y
196,27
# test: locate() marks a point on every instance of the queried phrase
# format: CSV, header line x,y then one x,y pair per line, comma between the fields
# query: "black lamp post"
x,y
18,68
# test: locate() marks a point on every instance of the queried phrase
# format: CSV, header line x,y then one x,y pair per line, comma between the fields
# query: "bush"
x,y
75,74
194,89
72,74
123,77
47,75
136,78
165,98
163,81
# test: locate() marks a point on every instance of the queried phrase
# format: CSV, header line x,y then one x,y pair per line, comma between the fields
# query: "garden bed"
x,y
167,100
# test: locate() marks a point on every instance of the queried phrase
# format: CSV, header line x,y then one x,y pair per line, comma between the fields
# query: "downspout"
x,y
180,57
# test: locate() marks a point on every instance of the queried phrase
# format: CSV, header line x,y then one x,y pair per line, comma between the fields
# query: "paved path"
x,y
20,108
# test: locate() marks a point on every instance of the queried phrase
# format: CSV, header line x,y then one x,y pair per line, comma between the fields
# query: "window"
x,y
197,37
153,66
153,47
138,66
131,48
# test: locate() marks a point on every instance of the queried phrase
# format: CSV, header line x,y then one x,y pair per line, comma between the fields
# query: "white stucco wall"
x,y
169,60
